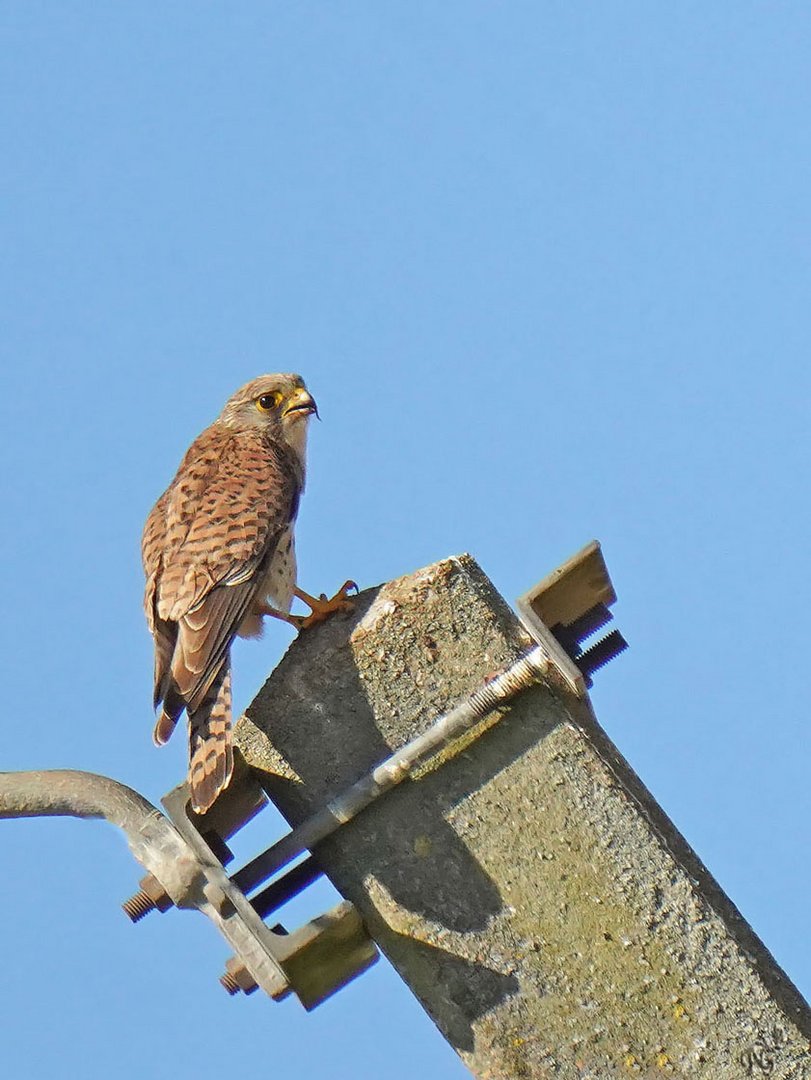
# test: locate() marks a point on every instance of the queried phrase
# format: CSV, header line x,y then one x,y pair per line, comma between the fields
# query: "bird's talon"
x,y
323,606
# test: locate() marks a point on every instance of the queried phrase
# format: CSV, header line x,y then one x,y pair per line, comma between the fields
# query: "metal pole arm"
x,y
71,793
152,838
314,961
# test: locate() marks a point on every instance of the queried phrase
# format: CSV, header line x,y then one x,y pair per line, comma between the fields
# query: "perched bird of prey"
x,y
219,554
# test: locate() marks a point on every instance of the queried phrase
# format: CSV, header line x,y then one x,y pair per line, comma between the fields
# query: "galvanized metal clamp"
x,y
312,961
567,607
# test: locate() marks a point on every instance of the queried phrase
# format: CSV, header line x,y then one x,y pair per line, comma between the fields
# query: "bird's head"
x,y
278,403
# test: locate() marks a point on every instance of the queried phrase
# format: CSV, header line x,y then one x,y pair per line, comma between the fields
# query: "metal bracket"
x,y
313,961
567,607
183,870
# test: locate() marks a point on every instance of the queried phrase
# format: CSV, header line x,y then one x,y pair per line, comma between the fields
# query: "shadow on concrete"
x,y
468,990
316,712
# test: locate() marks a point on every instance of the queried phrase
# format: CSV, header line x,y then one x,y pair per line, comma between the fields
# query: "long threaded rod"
x,y
523,673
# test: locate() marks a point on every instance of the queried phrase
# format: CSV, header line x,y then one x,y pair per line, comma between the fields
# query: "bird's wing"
x,y
153,545
234,495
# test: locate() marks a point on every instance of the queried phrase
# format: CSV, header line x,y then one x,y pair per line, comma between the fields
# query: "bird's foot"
x,y
321,608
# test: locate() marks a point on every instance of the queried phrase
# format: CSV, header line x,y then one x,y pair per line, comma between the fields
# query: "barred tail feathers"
x,y
211,757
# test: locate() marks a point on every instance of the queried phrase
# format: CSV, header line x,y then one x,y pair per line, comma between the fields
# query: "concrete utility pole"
x,y
543,909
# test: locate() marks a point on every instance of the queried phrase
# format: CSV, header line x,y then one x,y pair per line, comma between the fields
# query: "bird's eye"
x,y
268,402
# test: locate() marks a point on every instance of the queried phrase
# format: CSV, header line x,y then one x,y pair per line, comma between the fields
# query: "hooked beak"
x,y
302,403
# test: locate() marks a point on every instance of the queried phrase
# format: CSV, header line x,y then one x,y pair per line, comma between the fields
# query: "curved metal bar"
x,y
153,839
71,793
192,877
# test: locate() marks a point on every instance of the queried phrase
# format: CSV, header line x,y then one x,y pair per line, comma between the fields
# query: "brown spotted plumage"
x,y
219,554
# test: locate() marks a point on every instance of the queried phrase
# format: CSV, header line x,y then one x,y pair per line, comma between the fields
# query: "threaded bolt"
x,y
150,897
139,905
237,978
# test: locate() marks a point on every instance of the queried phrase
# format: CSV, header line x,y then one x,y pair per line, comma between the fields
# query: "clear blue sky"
x,y
545,267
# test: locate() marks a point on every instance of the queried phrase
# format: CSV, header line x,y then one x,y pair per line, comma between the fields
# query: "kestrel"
x,y
219,554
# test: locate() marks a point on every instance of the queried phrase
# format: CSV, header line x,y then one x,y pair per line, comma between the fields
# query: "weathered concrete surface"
x,y
550,919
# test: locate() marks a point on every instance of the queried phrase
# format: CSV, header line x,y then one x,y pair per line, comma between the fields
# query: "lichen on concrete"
x,y
549,918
